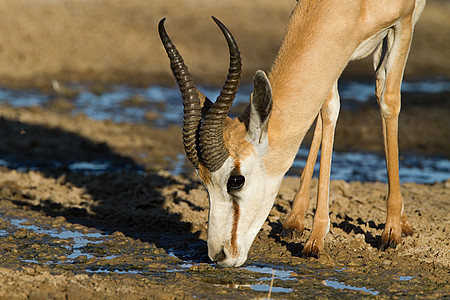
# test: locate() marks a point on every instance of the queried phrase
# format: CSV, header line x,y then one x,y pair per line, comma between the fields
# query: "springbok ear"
x,y
260,107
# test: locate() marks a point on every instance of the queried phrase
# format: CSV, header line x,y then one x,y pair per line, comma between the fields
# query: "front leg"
x,y
295,221
321,224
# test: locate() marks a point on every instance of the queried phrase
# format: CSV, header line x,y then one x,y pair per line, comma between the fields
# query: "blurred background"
x,y
117,41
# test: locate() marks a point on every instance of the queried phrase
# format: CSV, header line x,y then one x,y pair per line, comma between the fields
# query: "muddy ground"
x,y
153,223
151,215
137,230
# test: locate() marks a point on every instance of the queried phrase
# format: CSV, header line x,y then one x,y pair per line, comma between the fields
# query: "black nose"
x,y
220,256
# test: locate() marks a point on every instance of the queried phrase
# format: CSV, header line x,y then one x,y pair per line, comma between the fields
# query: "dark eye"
x,y
235,182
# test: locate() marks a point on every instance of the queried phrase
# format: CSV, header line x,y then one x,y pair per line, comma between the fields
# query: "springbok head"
x,y
228,154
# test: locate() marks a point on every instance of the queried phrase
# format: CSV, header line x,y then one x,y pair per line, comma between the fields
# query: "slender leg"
x,y
321,223
388,84
294,223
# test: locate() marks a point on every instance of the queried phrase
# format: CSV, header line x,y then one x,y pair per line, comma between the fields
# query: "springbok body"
x,y
242,161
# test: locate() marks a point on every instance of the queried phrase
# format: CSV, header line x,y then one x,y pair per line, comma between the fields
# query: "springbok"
x,y
242,161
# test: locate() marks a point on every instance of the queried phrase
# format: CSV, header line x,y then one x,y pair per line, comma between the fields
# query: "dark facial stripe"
x,y
236,212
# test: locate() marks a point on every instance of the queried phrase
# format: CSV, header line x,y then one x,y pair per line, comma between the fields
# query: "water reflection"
x,y
342,286
80,240
129,104
363,166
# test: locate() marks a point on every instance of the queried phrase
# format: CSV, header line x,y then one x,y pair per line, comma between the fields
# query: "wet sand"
x,y
151,224
154,224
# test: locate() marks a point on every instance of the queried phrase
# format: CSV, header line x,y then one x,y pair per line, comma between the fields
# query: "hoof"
x,y
291,234
293,227
390,238
313,248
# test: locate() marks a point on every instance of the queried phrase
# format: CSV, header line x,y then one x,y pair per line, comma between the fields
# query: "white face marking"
x,y
236,217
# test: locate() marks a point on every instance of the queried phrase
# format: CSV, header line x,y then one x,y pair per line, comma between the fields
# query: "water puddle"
x,y
181,267
95,167
129,104
406,278
90,167
259,278
108,271
363,91
178,165
275,274
260,286
78,239
360,166
263,283
267,288
342,286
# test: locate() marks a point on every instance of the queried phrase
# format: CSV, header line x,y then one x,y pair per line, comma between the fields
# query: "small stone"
x,y
355,263
117,234
29,270
21,233
200,268
387,262
81,259
360,236
325,259
61,179
62,258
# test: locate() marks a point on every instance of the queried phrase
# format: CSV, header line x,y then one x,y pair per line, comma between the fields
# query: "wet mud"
x,y
135,230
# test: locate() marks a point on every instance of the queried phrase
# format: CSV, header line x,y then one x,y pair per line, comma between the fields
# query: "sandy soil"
x,y
153,223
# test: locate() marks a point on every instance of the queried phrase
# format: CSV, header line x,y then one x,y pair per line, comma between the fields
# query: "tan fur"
x,y
317,45
321,37
306,67
238,147
234,137
204,174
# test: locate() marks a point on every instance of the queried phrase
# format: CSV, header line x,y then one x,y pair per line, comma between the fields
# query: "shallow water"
x,y
278,279
77,242
342,286
366,166
79,239
128,104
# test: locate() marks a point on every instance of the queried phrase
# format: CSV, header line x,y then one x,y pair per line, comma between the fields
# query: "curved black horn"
x,y
212,146
191,101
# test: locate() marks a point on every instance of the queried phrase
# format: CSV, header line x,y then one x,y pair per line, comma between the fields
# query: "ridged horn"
x,y
189,93
212,146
